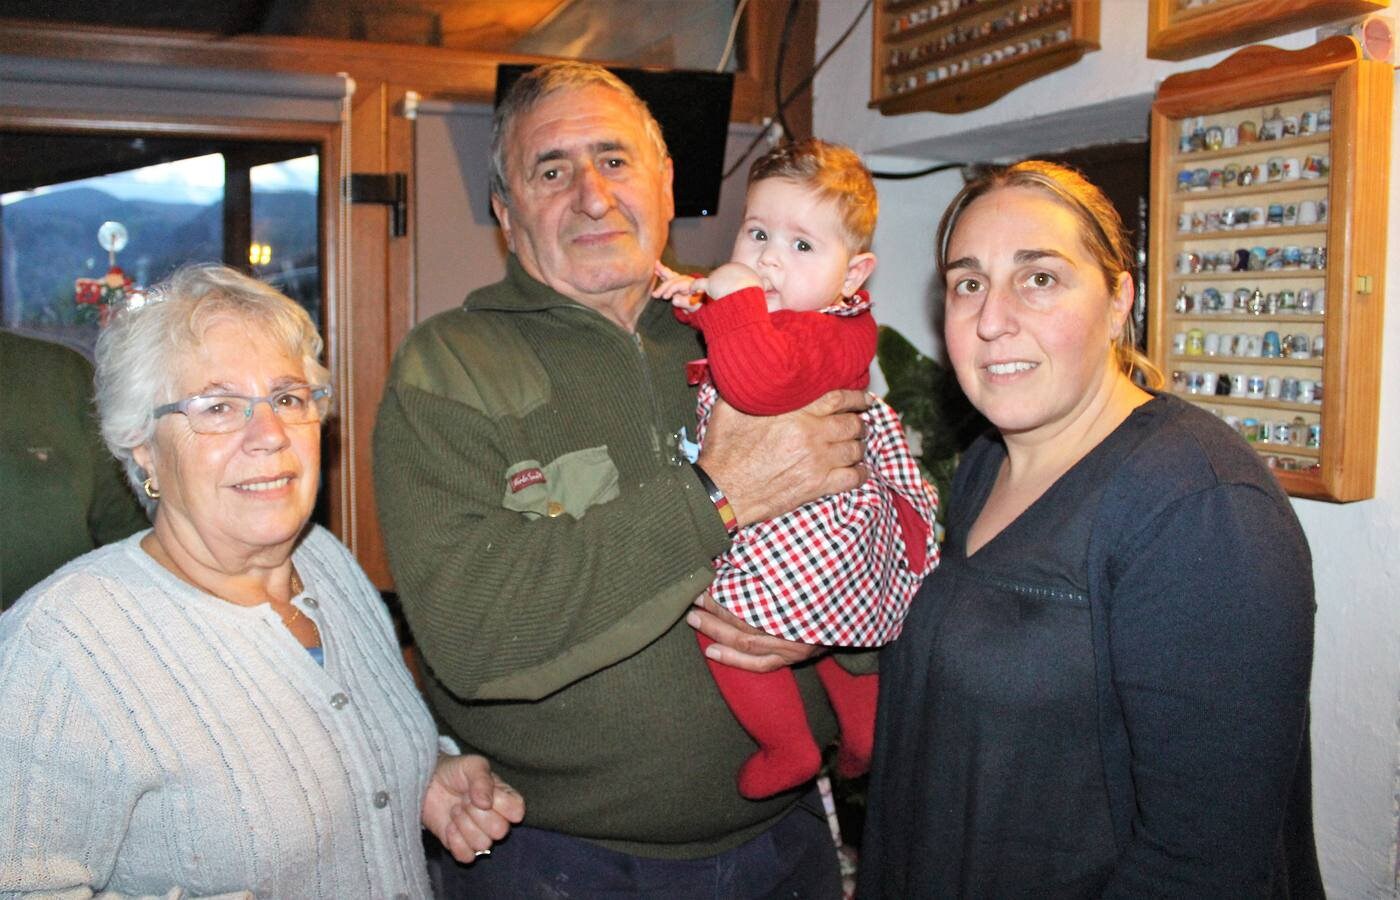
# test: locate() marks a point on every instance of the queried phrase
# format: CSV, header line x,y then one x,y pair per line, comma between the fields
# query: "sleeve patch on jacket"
x,y
571,484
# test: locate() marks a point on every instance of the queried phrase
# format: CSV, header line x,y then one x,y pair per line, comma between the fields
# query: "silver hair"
x,y
139,351
541,81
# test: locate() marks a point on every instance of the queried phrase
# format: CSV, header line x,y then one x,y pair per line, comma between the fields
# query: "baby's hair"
x,y
836,173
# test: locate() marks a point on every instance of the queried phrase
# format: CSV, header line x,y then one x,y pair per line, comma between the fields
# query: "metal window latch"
x,y
390,189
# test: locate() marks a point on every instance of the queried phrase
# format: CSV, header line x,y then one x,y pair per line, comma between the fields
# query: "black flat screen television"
x,y
693,111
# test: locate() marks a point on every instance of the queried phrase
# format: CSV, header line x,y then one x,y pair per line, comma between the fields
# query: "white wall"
x,y
1356,547
459,247
1356,671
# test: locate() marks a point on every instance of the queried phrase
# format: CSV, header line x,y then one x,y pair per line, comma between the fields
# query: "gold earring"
x,y
150,488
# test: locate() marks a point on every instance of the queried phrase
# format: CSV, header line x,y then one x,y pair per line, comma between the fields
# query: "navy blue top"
x,y
1110,697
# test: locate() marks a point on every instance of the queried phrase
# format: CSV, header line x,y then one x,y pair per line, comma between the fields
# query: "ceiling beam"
x,y
493,27
432,71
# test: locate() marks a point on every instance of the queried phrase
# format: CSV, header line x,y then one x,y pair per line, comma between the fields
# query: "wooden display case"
x,y
1181,29
951,56
1313,254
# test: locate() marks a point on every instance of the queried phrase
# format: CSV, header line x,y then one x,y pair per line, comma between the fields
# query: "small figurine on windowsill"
x,y
114,288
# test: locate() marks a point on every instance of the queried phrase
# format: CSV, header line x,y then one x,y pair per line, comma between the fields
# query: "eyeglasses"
x,y
300,404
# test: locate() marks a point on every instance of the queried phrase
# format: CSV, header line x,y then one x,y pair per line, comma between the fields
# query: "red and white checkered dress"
x,y
833,571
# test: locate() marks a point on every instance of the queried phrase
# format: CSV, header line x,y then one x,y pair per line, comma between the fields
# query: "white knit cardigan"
x,y
155,740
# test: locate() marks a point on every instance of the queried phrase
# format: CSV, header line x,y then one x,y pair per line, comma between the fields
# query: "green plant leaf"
x,y
929,399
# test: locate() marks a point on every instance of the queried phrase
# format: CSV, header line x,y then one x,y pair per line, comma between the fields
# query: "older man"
x,y
548,537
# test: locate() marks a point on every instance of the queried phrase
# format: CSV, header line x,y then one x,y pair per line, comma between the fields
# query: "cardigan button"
x,y
555,509
310,602
339,700
381,799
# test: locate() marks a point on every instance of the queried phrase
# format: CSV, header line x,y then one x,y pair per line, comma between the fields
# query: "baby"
x,y
788,323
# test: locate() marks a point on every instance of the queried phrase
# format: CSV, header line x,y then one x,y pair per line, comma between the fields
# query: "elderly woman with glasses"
x,y
217,705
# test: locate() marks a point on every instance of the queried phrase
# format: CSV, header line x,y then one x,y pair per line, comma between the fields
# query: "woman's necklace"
x,y
296,589
312,632
157,551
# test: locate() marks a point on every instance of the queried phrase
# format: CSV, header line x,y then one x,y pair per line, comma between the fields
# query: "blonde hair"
x,y
836,174
1100,230
138,353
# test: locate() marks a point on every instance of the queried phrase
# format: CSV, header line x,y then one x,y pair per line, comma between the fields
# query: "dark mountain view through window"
x,y
50,238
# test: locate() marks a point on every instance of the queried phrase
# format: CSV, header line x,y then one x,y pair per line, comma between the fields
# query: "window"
x,y
285,248
177,200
